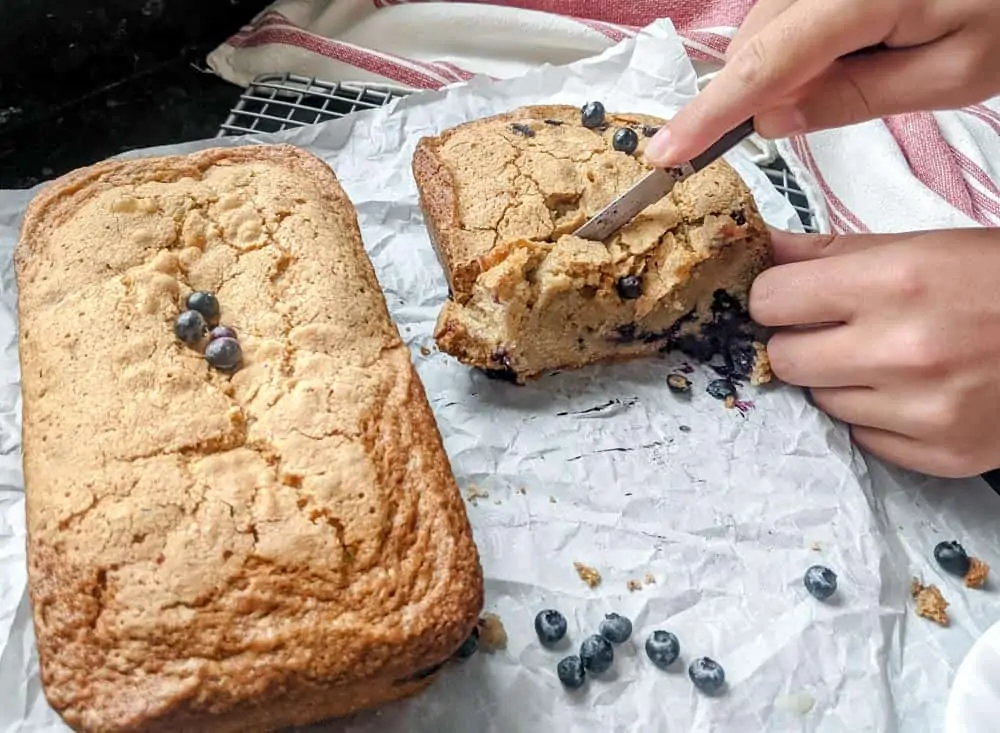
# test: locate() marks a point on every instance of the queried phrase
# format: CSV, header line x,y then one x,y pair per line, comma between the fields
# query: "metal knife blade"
x,y
655,185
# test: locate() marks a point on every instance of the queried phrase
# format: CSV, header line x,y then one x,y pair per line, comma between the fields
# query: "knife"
x,y
657,184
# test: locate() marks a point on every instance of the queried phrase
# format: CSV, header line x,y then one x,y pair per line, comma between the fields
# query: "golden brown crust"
x,y
501,197
227,553
438,191
437,200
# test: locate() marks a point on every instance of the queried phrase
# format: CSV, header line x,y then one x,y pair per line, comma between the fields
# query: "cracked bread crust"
x,y
212,552
502,197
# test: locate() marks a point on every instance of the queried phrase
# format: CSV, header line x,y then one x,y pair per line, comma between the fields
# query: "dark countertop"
x,y
80,83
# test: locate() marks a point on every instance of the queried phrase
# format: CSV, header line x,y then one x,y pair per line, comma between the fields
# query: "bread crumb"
x,y
800,703
761,373
492,634
730,402
814,547
425,351
978,570
522,490
634,585
473,492
649,579
587,574
930,603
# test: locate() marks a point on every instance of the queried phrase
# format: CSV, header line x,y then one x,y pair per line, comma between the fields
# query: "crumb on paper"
x,y
814,547
685,428
649,579
492,634
522,490
761,373
930,603
633,585
552,500
587,574
978,570
498,502
473,492
730,402
800,703
425,351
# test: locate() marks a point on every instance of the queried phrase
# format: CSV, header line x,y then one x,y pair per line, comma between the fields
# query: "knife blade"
x,y
655,185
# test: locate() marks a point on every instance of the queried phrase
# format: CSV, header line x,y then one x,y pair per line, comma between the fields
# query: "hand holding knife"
x,y
661,181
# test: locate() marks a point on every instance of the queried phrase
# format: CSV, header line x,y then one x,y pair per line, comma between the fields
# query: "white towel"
x,y
903,173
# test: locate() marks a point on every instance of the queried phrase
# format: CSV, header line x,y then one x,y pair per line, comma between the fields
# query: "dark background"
x,y
81,80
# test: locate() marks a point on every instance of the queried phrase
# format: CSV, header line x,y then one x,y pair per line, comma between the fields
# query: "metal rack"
x,y
275,102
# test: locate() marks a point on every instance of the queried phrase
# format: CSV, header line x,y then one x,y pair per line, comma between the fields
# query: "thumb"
x,y
889,82
789,247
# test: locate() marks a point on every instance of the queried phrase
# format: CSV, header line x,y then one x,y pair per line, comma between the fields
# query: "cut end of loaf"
x,y
502,197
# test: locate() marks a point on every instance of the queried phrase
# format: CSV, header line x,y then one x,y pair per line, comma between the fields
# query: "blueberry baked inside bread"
x,y
502,196
227,539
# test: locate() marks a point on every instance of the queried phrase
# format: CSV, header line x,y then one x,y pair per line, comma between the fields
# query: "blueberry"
x,y
501,375
190,327
820,581
615,628
701,348
522,129
707,675
721,389
626,332
723,301
629,287
739,218
625,140
951,556
662,648
649,130
571,673
597,654
469,646
550,626
678,383
592,114
221,332
206,304
741,358
224,353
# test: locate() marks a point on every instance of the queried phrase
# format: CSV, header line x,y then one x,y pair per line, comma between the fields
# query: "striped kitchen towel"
x,y
910,172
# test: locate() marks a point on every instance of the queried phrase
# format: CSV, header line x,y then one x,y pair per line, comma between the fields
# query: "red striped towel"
x,y
919,171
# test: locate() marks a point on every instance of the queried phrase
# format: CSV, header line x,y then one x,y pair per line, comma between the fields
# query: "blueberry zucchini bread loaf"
x,y
239,538
502,196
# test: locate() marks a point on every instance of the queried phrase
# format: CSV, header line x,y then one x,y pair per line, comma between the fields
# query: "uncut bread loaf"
x,y
227,552
501,197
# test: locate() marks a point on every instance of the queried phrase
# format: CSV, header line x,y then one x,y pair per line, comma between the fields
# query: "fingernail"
x,y
658,148
780,122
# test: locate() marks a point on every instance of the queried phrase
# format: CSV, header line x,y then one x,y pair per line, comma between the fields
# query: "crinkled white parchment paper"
x,y
726,515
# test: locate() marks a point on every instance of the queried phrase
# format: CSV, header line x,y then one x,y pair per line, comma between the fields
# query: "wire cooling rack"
x,y
276,102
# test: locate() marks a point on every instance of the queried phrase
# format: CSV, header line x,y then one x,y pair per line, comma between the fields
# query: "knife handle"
x,y
723,145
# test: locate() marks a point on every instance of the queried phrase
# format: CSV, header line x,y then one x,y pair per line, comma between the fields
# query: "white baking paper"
x,y
725,512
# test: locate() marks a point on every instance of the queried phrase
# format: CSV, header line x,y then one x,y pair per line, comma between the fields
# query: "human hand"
x,y
897,335
785,68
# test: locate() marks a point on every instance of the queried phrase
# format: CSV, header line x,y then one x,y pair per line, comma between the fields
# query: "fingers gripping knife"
x,y
657,184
